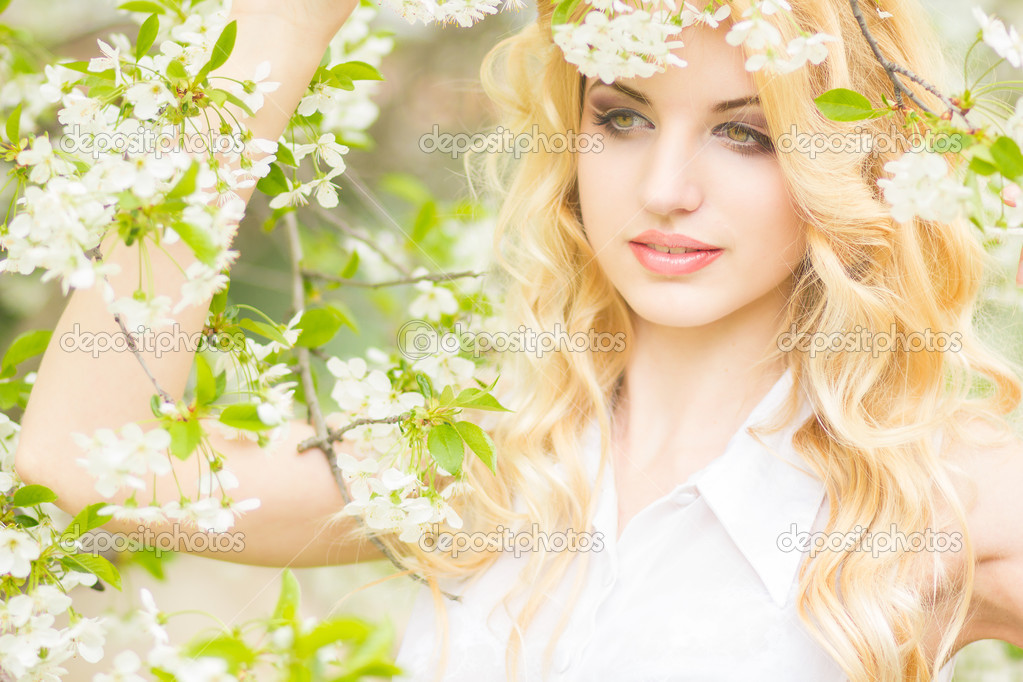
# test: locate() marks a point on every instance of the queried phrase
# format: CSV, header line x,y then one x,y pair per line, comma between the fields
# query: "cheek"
x,y
763,216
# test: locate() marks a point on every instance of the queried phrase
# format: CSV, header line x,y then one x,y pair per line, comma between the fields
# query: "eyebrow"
x,y
719,108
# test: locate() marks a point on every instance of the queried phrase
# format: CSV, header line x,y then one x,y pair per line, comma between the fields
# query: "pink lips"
x,y
672,263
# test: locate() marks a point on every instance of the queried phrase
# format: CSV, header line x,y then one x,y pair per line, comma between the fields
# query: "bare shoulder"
x,y
990,461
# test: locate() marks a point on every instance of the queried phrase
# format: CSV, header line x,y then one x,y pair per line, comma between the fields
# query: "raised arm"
x,y
76,392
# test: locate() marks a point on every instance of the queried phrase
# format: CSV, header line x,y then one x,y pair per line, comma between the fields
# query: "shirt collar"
x,y
758,489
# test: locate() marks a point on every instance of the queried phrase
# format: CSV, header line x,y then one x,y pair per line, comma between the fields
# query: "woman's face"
x,y
686,153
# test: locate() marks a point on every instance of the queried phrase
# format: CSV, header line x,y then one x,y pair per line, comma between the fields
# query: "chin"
x,y
666,312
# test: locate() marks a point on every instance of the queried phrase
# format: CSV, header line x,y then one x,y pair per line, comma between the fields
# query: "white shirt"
x,y
696,588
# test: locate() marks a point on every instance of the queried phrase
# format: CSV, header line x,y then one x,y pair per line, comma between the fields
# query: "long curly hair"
x,y
870,438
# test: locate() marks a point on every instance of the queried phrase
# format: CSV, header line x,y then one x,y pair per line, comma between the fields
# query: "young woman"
x,y
692,571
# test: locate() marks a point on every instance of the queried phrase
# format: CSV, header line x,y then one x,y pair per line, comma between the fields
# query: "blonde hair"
x,y
870,438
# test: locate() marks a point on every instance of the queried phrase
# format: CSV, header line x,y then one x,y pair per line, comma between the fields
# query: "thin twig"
x,y
94,254
365,239
893,70
323,437
334,435
434,277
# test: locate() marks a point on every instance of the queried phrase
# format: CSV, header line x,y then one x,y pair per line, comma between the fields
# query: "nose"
x,y
673,181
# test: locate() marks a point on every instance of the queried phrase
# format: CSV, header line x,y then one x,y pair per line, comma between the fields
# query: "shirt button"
x,y
684,496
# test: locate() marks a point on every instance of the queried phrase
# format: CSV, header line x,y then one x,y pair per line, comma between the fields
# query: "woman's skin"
x,y
673,168
679,164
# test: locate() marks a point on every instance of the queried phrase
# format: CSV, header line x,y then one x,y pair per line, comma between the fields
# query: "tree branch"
x,y
323,438
434,277
894,70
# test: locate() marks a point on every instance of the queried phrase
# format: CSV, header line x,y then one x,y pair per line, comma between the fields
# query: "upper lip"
x,y
671,241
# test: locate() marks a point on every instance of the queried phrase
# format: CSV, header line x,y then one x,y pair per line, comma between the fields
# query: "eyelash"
x,y
762,143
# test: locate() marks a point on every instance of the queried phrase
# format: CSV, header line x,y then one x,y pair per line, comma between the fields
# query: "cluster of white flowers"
x,y
616,40
107,163
388,491
119,461
1005,41
924,186
31,647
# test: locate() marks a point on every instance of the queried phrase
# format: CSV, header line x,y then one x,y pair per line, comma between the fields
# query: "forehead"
x,y
715,71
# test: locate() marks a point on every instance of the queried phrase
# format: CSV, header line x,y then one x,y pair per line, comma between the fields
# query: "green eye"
x,y
738,134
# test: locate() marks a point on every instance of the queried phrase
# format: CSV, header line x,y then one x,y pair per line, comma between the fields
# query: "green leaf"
x,y
95,564
13,127
243,416
27,345
185,437
357,71
563,10
221,384
85,520
31,495
233,99
221,49
186,185
425,387
4,4
479,400
841,104
328,632
479,441
234,651
147,34
1007,157
318,326
219,301
141,6
287,602
348,271
25,521
285,156
176,70
81,66
263,329
446,448
200,241
274,182
426,220
205,383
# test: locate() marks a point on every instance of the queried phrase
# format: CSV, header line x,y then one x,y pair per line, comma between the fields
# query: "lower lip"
x,y
673,263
